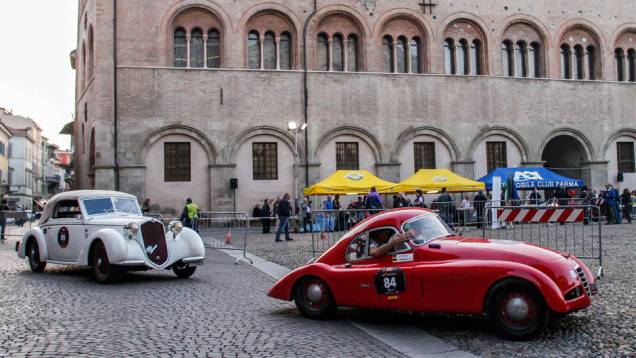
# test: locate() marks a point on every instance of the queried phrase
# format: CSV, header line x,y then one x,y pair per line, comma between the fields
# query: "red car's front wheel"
x,y
517,309
314,299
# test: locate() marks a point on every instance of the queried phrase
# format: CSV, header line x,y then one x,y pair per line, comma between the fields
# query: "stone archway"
x,y
565,155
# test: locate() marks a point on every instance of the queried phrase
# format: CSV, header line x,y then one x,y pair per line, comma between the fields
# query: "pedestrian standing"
x,y
373,200
190,214
419,199
4,207
328,205
284,212
444,203
535,197
266,214
305,207
145,208
480,203
626,201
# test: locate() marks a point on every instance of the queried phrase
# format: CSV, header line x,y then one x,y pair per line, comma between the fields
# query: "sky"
x,y
36,78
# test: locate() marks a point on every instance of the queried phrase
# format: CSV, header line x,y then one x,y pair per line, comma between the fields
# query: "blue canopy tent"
x,y
530,178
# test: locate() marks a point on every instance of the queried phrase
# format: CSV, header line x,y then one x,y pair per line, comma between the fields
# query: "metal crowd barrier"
x,y
15,224
574,229
328,226
220,230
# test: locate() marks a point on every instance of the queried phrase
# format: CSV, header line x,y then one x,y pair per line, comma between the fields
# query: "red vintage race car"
x,y
517,286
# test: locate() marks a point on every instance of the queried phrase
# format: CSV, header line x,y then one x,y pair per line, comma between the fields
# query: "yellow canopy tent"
x,y
349,182
433,180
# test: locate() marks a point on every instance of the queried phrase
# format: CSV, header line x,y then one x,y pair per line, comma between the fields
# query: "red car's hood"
x,y
505,250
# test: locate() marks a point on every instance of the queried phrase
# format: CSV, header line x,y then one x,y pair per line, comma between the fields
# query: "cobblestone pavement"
x,y
607,329
222,311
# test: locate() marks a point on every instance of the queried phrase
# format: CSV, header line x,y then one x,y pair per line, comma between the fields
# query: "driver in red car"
x,y
381,242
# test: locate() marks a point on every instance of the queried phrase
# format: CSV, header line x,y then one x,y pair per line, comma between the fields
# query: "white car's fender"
x,y
187,244
118,248
36,233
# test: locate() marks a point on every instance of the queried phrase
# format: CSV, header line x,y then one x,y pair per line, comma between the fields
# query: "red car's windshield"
x,y
426,228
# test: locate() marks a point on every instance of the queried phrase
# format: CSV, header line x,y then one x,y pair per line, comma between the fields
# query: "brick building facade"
x,y
203,91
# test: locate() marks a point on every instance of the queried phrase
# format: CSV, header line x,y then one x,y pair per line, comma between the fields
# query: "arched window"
x,y
566,62
285,51
180,48
475,58
591,62
521,69
322,53
91,153
534,60
91,53
577,64
213,49
352,53
506,58
631,65
402,54
254,50
196,48
337,53
416,65
387,53
620,64
269,51
463,66
83,72
449,57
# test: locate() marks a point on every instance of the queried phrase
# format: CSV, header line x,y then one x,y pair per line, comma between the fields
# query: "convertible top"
x,y
77,194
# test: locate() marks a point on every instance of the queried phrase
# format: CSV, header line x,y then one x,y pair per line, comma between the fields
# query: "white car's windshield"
x,y
100,206
426,228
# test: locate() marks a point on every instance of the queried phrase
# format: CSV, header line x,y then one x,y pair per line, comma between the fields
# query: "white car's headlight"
x,y
176,227
132,229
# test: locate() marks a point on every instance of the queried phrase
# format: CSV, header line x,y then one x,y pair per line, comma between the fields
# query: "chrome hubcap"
x,y
99,261
517,309
314,293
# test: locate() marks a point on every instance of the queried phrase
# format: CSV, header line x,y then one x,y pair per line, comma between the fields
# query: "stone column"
x,y
388,171
261,41
205,50
532,164
188,50
585,65
595,173
345,56
221,198
277,39
465,168
330,53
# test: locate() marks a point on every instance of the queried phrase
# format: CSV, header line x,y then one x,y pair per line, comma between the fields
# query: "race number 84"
x,y
390,281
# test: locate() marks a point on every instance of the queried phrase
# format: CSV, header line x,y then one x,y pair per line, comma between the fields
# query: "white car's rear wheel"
x,y
103,271
33,253
183,270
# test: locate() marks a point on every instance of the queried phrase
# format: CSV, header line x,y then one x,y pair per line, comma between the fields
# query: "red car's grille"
x,y
154,239
586,285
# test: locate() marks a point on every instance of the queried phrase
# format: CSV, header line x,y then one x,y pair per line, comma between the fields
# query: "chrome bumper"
x,y
193,260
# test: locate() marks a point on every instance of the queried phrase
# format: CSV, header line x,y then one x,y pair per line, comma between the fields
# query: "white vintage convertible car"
x,y
106,231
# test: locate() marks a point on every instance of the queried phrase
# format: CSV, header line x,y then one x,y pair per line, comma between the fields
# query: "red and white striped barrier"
x,y
541,215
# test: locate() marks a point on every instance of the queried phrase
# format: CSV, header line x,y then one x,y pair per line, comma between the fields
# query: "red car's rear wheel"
x,y
517,309
314,299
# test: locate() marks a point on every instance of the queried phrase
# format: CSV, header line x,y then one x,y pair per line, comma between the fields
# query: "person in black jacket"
x,y
626,200
266,214
284,212
480,203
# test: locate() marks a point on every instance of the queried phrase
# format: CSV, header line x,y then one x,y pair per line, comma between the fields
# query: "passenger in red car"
x,y
382,242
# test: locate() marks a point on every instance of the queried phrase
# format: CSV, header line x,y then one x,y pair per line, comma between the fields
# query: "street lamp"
x,y
293,127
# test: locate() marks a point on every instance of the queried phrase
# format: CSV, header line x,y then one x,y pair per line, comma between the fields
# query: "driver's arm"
x,y
395,240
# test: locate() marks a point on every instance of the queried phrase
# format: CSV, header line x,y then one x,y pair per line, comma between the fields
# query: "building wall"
x,y
222,109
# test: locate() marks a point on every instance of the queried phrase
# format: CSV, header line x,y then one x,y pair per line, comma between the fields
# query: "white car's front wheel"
x,y
33,253
103,271
183,270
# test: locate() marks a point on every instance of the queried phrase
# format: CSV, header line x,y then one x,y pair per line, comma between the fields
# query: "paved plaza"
x,y
607,329
223,311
